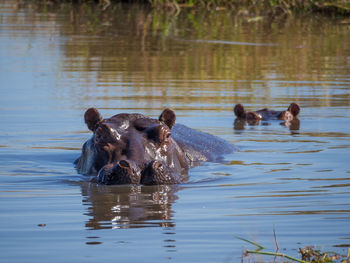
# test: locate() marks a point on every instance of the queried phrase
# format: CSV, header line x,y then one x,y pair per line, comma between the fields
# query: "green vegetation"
x,y
201,48
245,7
274,7
308,254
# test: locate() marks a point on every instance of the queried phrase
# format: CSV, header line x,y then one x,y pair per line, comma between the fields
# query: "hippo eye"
x,y
168,135
141,124
105,134
140,128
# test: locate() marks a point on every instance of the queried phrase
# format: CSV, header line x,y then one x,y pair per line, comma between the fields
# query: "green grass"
x,y
271,7
341,7
308,254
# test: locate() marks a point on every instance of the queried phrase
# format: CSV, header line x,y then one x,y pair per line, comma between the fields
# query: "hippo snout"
x,y
159,173
123,172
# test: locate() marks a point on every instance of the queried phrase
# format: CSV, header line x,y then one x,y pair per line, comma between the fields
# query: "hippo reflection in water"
x,y
135,149
289,116
129,206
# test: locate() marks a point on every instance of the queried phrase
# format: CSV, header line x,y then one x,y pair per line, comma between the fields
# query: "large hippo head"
x,y
132,149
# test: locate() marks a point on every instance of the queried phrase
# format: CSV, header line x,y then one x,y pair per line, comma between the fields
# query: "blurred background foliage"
x,y
155,50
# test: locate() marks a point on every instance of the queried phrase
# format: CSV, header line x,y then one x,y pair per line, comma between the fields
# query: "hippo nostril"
x,y
109,177
124,164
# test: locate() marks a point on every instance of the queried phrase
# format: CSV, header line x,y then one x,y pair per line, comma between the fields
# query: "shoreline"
x,y
245,7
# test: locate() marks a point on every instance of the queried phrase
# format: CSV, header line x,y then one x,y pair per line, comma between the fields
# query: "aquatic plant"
x,y
309,254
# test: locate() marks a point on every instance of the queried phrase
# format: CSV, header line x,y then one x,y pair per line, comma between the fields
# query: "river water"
x,y
58,60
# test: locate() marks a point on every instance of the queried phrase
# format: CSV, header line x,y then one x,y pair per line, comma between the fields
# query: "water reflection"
x,y
239,124
148,52
128,206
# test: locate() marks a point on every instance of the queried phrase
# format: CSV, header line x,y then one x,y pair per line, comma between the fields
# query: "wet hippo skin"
x,y
135,149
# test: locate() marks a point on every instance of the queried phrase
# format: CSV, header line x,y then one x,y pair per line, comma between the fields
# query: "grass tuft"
x,y
308,254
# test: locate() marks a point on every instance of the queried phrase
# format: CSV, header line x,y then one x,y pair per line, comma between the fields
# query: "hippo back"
x,y
201,146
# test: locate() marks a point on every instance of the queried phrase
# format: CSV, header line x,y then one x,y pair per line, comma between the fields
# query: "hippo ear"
x,y
239,111
92,117
168,117
294,109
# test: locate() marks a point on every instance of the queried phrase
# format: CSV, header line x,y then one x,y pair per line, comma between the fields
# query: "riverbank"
x,y
272,7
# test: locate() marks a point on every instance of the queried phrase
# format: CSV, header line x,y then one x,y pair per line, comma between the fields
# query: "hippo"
x,y
289,116
266,114
136,149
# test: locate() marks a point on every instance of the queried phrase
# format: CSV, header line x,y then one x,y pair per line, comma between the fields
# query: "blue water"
x,y
56,62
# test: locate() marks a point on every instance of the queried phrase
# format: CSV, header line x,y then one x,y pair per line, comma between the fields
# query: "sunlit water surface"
x,y
58,60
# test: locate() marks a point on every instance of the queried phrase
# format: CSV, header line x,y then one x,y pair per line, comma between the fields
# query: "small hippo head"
x,y
266,114
132,149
